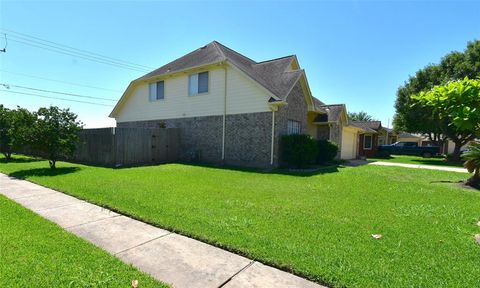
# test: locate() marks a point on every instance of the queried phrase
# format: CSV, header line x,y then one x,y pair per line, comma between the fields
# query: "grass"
x,y
37,253
317,225
417,160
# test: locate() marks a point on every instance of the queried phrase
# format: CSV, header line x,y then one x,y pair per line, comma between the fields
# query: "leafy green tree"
x,y
5,124
415,118
55,133
15,126
360,116
456,108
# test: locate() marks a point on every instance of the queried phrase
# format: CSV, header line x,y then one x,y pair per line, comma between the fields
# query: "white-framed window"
x,y
156,91
294,127
198,83
367,142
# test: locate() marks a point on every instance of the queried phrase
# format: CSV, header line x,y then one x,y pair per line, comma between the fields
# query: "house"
x,y
422,140
372,136
231,109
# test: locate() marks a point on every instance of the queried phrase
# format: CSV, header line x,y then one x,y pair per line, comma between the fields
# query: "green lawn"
x,y
406,159
37,253
318,226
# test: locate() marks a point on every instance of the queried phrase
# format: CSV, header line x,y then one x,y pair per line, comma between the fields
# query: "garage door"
x,y
348,145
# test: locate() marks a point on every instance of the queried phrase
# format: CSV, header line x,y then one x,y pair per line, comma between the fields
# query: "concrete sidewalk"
x,y
430,167
168,257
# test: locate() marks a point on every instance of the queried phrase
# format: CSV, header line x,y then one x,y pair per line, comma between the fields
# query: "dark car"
x,y
408,148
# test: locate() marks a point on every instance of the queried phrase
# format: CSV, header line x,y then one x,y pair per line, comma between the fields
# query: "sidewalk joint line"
x,y
50,208
81,224
239,271
148,241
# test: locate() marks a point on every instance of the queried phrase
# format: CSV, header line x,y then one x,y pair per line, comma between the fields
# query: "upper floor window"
x,y
294,127
198,83
156,91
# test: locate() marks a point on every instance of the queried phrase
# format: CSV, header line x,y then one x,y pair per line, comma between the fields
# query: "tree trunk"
x,y
8,155
474,181
456,151
52,163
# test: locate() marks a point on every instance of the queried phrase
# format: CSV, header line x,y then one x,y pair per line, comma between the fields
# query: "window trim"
x,y
371,142
295,130
198,93
150,99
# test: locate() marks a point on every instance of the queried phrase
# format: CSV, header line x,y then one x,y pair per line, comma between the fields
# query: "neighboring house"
x,y
372,136
408,137
446,148
231,109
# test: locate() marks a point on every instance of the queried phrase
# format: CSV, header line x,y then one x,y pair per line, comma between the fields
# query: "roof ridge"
x,y
215,43
333,105
274,59
220,45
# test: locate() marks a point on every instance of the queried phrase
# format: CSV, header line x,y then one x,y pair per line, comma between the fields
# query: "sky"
x,y
353,52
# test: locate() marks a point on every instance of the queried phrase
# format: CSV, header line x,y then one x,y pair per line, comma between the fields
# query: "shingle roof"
x,y
274,75
333,111
369,126
408,135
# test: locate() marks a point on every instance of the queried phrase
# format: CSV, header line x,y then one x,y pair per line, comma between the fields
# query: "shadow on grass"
x,y
279,171
43,172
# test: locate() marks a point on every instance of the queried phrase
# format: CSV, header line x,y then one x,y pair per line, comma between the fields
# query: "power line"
x,y
59,81
58,98
76,49
58,50
55,92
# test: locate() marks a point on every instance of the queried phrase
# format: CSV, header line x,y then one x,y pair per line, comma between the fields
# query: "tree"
x,y
5,125
456,108
415,118
360,116
15,128
55,133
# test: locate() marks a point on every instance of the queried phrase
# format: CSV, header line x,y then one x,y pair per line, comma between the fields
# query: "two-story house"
x,y
231,109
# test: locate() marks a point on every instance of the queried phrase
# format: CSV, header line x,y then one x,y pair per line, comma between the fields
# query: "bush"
x,y
298,150
327,151
472,163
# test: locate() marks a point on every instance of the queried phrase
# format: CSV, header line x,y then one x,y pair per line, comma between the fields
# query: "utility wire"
x,y
55,92
57,50
59,81
79,54
76,49
64,99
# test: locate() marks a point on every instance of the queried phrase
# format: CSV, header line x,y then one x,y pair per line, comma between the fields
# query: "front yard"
x,y
318,226
36,253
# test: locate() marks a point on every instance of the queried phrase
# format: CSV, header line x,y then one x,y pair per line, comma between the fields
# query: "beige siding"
x,y
243,96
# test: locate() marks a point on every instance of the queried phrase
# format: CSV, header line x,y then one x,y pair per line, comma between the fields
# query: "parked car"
x,y
408,148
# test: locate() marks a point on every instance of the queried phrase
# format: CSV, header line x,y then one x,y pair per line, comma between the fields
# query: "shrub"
x,y
472,163
298,150
327,151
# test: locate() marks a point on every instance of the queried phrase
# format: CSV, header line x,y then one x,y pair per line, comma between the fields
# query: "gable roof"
x,y
368,126
333,112
274,75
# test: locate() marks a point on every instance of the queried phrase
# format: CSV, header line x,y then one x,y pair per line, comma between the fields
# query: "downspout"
x,y
224,115
273,137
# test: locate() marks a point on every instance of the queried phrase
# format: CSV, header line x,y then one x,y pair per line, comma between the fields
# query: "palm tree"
x,y
360,116
472,163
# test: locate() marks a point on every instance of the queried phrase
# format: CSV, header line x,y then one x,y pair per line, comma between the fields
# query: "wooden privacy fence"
x,y
127,146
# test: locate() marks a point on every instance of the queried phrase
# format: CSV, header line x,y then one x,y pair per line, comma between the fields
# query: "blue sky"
x,y
354,52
